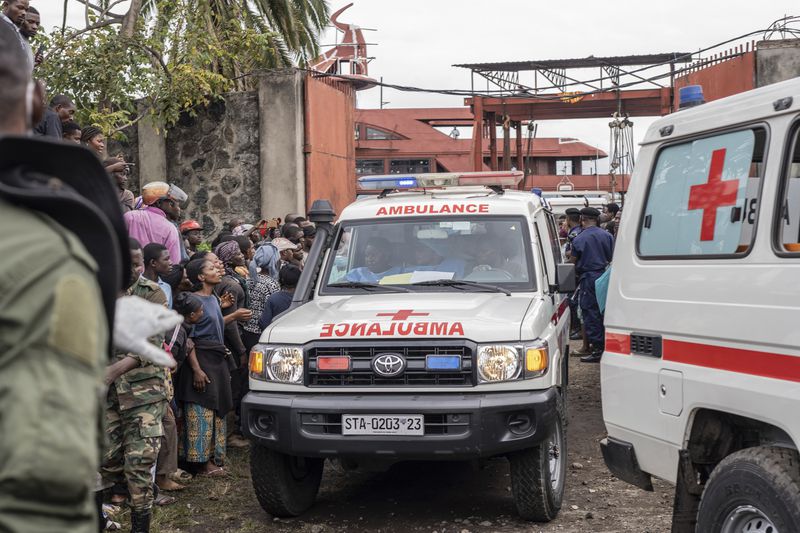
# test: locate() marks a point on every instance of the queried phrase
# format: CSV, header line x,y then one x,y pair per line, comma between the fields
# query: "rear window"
x,y
703,197
788,226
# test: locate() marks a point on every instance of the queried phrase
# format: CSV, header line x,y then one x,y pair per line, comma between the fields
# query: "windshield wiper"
x,y
366,286
462,283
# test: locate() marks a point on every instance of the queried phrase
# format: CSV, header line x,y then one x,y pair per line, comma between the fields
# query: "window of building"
x,y
369,166
788,223
703,196
375,134
409,166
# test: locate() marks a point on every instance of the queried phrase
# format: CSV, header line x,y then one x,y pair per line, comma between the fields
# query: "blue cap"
x,y
537,191
689,96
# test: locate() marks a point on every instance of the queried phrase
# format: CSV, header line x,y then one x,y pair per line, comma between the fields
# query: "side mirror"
x,y
565,274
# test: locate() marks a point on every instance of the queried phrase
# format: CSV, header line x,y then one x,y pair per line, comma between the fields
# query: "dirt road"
x,y
441,498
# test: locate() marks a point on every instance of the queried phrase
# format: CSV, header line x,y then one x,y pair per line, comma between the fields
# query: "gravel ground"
x,y
437,497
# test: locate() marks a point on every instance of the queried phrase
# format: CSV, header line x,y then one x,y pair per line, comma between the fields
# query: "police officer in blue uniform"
x,y
591,252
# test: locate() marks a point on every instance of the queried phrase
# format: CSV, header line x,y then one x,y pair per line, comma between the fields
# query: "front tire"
x,y
285,485
538,474
753,490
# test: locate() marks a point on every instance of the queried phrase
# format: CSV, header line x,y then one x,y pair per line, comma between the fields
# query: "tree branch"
x,y
130,19
155,54
89,4
96,25
140,115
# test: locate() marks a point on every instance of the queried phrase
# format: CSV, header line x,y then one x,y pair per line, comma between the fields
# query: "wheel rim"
x,y
748,519
555,458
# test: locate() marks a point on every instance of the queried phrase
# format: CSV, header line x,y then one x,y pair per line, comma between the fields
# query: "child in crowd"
x,y
280,301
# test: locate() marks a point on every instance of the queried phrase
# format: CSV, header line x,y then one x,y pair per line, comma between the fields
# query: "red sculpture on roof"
x,y
347,60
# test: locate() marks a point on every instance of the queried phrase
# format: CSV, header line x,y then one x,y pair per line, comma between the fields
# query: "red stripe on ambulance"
x,y
618,343
764,364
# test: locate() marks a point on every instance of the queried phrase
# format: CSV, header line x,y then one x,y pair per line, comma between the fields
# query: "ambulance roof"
x,y
443,202
741,108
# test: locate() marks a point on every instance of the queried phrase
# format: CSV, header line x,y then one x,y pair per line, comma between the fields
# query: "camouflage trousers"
x,y
134,437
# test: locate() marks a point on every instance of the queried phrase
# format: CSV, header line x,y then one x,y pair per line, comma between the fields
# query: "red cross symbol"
x,y
402,314
712,195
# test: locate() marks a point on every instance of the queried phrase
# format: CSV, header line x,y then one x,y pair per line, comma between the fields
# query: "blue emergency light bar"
x,y
438,180
443,362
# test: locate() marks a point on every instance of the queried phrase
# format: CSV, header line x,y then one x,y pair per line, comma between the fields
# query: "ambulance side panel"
x,y
723,324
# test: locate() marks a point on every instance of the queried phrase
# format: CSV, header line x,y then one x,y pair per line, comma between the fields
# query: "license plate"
x,y
383,425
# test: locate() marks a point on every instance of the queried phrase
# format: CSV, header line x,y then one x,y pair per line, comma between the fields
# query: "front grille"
x,y
415,374
646,344
435,424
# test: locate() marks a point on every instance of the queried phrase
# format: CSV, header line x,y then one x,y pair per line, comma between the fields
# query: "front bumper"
x,y
457,426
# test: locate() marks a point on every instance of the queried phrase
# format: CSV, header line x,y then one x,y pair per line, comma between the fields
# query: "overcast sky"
x,y
419,40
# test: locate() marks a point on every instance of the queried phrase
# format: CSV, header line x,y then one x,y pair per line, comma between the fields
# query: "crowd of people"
x,y
164,426
228,291
588,236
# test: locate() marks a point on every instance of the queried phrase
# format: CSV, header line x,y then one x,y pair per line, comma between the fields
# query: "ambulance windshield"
x,y
412,252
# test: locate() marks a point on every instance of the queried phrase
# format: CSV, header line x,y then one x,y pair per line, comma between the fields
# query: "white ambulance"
x,y
701,370
430,323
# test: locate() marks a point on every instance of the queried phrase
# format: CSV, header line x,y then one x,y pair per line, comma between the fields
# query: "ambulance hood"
x,y
480,317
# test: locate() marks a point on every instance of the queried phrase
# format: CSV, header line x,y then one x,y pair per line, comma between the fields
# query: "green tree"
x,y
173,55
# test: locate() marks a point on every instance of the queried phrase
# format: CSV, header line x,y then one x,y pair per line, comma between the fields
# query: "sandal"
x,y
580,352
181,476
217,472
163,499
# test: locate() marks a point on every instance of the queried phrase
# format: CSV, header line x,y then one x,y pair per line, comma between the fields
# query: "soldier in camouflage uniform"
x,y
135,406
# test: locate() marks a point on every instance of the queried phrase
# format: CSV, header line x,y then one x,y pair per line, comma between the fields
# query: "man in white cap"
x,y
152,223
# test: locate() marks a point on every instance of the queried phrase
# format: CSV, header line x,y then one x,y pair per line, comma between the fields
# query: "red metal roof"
x,y
421,138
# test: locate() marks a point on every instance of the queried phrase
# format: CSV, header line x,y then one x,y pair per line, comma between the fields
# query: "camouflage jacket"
x,y
147,383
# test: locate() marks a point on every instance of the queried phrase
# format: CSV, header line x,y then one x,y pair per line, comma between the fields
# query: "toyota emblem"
x,y
389,365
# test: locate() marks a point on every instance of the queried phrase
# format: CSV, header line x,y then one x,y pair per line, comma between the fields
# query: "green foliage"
x,y
178,54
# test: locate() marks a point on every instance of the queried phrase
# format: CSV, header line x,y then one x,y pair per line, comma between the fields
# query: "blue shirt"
x,y
593,249
167,290
211,325
276,304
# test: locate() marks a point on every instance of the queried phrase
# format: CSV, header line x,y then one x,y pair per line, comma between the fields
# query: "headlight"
x,y
498,362
506,362
283,364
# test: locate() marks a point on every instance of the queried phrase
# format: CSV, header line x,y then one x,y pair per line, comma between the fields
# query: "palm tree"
x,y
274,33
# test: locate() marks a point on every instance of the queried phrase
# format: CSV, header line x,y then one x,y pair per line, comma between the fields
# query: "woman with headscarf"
x,y
234,294
235,297
266,283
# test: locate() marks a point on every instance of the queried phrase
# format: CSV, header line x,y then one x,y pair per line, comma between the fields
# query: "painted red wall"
x,y
329,142
725,78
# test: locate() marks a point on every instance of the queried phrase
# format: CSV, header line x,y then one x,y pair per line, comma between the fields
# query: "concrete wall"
x,y
128,147
152,141
281,128
777,61
214,157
